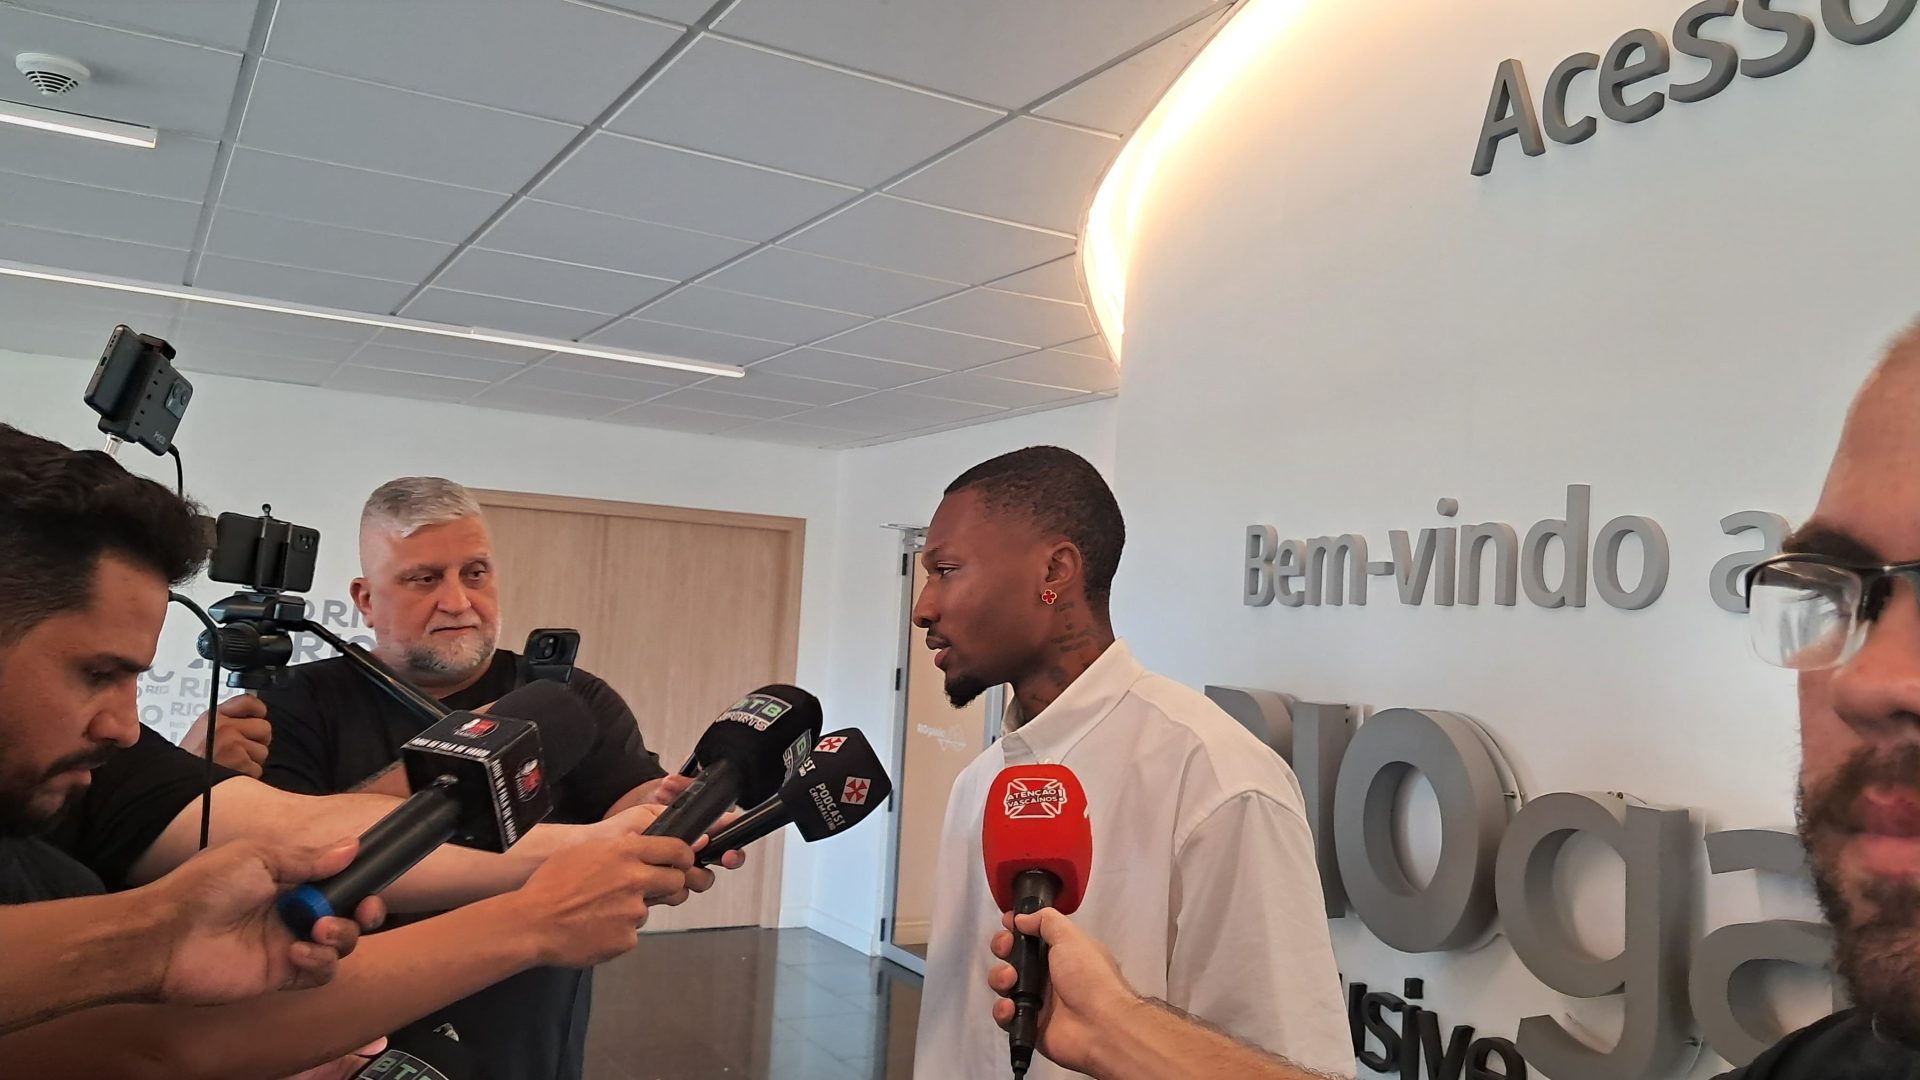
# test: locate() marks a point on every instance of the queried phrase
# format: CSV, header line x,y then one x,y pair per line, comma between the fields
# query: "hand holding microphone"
x,y
478,780
1037,844
839,783
743,757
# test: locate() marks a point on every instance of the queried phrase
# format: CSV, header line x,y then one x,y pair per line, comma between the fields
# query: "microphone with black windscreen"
x,y
743,758
839,783
1037,844
480,780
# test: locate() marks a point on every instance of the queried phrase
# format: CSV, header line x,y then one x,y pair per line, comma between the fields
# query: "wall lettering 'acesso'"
x,y
1640,55
1462,564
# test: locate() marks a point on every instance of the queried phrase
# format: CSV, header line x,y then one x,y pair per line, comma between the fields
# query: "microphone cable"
x,y
213,709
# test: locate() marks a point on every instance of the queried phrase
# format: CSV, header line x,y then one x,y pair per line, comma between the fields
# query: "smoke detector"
x,y
51,75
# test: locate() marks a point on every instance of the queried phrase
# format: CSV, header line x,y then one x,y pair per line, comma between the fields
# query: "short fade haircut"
x,y
1063,493
411,503
62,509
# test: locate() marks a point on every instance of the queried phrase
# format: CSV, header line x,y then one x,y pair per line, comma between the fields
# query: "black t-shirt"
x,y
95,842
131,801
333,729
1841,1047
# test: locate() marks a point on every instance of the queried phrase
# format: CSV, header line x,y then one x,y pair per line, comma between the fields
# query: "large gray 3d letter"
x,y
1509,112
1724,984
1571,531
1654,562
1651,970
1456,908
1256,586
1724,582
1838,15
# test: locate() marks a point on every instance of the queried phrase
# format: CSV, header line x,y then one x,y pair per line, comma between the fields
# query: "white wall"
x,y
315,454
1331,324
900,483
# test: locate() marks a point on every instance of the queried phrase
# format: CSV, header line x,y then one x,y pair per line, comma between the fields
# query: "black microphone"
x,y
835,788
744,757
477,780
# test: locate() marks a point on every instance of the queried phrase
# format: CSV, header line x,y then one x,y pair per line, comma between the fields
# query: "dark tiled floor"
x,y
751,1004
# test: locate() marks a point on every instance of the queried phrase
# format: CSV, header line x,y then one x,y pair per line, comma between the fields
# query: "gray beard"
x,y
437,666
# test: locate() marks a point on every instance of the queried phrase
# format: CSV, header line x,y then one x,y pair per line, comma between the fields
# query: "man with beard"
x,y
1839,606
1204,883
429,590
91,801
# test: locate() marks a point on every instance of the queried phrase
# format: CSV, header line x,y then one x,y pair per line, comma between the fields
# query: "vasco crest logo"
x,y
1038,797
855,793
477,728
831,744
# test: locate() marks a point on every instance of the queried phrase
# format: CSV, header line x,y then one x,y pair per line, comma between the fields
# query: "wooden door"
x,y
681,611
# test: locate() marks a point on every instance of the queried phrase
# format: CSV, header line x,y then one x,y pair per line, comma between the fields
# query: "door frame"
x,y
912,540
769,852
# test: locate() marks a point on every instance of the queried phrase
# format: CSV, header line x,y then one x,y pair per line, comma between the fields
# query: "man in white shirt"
x,y
1204,882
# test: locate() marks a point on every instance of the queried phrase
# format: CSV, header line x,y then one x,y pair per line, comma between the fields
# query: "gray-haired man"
x,y
428,590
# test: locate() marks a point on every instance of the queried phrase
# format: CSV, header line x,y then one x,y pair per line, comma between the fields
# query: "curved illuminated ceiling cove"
x,y
1106,243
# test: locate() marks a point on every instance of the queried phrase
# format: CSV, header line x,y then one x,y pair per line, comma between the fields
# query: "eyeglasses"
x,y
1812,612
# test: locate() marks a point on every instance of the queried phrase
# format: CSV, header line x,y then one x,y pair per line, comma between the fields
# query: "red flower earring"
x,y
1048,596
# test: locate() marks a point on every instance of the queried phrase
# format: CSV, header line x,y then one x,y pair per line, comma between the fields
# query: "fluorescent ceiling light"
x,y
384,322
1114,217
87,127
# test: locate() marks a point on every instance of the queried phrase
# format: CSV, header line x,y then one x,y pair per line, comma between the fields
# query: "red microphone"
x,y
1037,843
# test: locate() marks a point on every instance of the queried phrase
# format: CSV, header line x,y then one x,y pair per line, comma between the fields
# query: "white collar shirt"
x,y
1203,885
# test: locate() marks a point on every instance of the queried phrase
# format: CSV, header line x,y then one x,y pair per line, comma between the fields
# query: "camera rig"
x,y
254,640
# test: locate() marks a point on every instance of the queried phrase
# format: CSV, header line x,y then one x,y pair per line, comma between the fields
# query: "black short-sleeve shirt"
x,y
1841,1047
334,729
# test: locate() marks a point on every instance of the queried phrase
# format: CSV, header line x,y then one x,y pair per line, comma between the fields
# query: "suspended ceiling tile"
x,y
498,313
1028,320
1052,367
1057,280
762,383
268,322
120,215
448,365
137,77
612,388
1088,346
774,320
1007,52
356,198
1027,170
479,350
705,400
784,274
986,390
497,273
70,251
686,343
178,168
550,402
898,235
895,411
250,364
616,243
247,235
248,278
72,340
195,334
225,23
342,120
683,12
840,367
559,60
667,418
883,340
620,175
786,431
768,109
1119,98
371,380
29,300
622,369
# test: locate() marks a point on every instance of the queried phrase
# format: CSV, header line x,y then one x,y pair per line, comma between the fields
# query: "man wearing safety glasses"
x,y
1841,606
